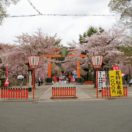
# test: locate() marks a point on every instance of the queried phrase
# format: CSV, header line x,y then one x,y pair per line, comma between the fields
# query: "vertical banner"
x,y
116,87
101,80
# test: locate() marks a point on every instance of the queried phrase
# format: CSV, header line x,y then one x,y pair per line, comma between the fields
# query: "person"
x,y
130,82
126,78
70,78
39,81
60,78
6,84
55,79
20,80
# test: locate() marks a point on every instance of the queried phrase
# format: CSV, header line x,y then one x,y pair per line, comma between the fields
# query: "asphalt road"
x,y
67,116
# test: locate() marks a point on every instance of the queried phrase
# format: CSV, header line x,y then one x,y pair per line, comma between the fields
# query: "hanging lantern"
x,y
33,61
97,61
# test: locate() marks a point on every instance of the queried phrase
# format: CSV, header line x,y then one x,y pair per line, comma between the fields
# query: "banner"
x,y
116,87
101,80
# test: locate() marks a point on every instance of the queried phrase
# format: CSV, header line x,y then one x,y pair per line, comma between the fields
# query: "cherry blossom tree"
x,y
37,44
105,44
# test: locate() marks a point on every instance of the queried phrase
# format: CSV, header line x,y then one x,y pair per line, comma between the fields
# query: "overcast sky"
x,y
67,28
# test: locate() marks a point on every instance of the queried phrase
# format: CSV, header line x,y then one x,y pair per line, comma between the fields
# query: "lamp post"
x,y
97,63
6,84
33,63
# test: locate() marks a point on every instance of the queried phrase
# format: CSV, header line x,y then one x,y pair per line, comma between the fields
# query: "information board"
x,y
101,80
116,86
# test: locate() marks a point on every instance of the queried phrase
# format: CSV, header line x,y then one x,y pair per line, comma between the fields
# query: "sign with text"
x,y
116,86
101,80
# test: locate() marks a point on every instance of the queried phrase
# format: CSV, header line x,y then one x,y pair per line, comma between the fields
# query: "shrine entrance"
x,y
50,58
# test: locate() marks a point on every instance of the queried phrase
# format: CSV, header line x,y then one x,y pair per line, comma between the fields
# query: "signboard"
x,y
115,67
116,87
101,80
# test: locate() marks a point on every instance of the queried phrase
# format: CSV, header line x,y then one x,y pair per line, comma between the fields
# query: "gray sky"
x,y
67,28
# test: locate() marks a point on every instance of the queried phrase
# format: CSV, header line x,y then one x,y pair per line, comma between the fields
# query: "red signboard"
x,y
115,67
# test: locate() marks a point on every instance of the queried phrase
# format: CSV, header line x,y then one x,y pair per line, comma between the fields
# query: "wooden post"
x,y
30,79
33,63
78,69
96,83
33,79
49,69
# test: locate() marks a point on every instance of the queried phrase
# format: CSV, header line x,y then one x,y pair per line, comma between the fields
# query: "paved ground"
x,y
43,93
68,116
84,92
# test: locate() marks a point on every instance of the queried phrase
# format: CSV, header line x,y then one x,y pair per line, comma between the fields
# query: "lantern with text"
x,y
33,63
97,61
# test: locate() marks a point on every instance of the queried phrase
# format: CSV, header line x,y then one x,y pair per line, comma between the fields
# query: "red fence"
x,y
14,93
89,82
63,92
106,92
125,90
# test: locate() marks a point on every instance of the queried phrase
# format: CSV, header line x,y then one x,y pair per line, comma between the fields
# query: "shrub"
x,y
79,80
48,80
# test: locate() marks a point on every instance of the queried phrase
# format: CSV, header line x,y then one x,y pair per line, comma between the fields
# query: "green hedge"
x,y
79,80
48,80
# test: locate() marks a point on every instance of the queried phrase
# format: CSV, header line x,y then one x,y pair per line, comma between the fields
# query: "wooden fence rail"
x,y
13,93
106,92
63,92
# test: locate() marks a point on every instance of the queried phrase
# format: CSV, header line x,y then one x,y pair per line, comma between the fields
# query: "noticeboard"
x,y
101,80
116,86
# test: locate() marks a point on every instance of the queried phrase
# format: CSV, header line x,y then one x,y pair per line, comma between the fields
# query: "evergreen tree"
x,y
92,30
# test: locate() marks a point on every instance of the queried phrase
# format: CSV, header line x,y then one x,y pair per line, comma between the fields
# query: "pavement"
x,y
84,92
68,116
43,93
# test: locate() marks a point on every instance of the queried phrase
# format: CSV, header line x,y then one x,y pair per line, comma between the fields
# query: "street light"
x,y
33,63
97,63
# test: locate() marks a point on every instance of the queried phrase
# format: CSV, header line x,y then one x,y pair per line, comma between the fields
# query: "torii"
x,y
51,56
